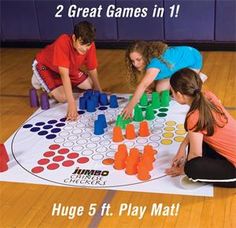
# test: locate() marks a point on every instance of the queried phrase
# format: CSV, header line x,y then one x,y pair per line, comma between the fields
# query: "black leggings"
x,y
211,168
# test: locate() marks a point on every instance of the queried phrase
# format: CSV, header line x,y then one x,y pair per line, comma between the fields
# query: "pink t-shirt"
x,y
223,140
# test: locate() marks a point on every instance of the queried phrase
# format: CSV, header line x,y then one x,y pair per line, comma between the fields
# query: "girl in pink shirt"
x,y
211,134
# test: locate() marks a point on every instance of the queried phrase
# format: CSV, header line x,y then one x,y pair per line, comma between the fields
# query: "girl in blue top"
x,y
155,61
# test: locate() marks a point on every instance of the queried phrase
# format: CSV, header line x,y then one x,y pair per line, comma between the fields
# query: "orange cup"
x,y
134,154
122,150
143,172
148,151
144,129
119,164
131,167
117,134
130,131
147,162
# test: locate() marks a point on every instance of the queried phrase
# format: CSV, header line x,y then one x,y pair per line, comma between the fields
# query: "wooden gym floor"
x,y
28,205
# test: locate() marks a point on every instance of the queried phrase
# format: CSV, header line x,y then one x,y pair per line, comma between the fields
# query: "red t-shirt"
x,y
62,53
223,140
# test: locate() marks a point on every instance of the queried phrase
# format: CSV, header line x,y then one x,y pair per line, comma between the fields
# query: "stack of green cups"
x,y
121,122
156,100
150,113
144,100
138,114
165,98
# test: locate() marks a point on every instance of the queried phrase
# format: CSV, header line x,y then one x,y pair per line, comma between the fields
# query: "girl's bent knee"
x,y
193,167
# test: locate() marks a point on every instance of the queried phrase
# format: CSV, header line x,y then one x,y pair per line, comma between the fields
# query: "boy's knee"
x,y
61,98
87,84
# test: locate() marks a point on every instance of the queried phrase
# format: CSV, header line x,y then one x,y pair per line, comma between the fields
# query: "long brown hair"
x,y
147,50
188,82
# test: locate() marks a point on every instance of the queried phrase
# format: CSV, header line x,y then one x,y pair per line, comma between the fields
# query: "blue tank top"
x,y
177,58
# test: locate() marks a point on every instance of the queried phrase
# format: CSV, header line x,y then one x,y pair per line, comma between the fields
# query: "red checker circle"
x,y
58,158
37,169
83,160
43,161
53,166
49,154
63,151
73,155
68,163
54,147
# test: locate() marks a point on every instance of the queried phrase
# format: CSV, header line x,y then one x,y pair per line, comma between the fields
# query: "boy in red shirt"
x,y
57,67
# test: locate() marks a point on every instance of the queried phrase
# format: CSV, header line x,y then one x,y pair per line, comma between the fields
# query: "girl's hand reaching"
x,y
149,90
175,171
127,111
179,158
177,166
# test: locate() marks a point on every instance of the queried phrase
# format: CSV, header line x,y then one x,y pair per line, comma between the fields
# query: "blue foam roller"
x,y
103,99
82,103
98,127
113,101
88,93
95,99
102,119
96,93
91,105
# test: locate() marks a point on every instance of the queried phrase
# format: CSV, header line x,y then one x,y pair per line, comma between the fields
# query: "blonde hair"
x,y
147,50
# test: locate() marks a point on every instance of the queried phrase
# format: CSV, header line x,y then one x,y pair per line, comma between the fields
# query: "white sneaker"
x,y
203,77
186,183
35,82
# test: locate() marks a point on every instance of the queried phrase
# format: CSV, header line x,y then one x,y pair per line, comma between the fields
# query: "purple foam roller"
x,y
44,101
34,101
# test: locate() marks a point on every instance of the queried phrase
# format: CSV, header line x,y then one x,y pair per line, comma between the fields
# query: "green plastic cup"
x,y
156,100
127,121
144,100
165,98
119,120
138,114
150,113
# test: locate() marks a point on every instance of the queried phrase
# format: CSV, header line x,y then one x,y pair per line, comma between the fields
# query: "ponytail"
x,y
188,82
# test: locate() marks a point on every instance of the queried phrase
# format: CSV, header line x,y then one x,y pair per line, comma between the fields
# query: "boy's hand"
x,y
72,113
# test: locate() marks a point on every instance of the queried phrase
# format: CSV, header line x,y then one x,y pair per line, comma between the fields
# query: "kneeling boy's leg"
x,y
48,79
59,94
86,84
81,80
